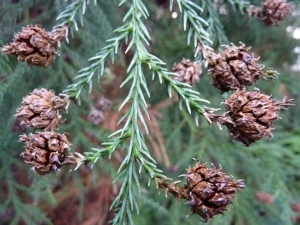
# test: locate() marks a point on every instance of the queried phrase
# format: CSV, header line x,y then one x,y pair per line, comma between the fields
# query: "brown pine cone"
x,y
42,109
35,46
188,72
234,68
209,190
252,115
264,197
274,11
45,151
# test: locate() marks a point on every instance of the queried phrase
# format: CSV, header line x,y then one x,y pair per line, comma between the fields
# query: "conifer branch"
x,y
70,12
240,5
215,27
191,19
138,157
86,74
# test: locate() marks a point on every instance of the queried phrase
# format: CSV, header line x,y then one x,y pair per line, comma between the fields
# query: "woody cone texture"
x,y
251,115
42,109
274,11
208,190
45,151
35,46
233,68
188,72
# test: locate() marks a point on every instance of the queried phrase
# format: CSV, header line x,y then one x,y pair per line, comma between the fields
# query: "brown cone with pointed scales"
x,y
234,68
188,72
42,109
252,115
45,151
209,190
35,46
274,11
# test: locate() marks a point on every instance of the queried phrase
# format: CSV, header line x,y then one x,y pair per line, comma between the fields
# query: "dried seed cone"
x,y
274,11
42,109
264,197
209,190
234,69
95,116
35,46
252,115
188,72
45,151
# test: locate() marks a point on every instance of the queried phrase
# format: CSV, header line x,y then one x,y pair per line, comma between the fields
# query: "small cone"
x,y
234,68
264,197
45,151
188,72
35,46
103,104
295,207
252,115
209,190
274,11
42,109
95,116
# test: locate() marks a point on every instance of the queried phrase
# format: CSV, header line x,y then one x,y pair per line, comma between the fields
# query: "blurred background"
x,y
270,167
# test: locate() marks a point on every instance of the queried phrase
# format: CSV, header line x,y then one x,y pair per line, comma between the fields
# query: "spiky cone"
x,y
250,116
188,71
264,197
45,151
274,11
42,109
35,46
209,190
234,68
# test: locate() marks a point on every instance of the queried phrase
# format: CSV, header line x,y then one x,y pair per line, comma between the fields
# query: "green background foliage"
x,y
267,166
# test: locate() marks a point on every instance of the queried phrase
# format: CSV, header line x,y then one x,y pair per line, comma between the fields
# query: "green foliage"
x,y
271,167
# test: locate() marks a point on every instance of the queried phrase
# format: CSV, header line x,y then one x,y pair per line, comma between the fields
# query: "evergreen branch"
x,y
192,20
215,27
184,91
86,74
241,5
138,156
70,12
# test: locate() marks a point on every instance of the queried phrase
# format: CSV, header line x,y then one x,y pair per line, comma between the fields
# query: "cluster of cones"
x,y
249,116
45,151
